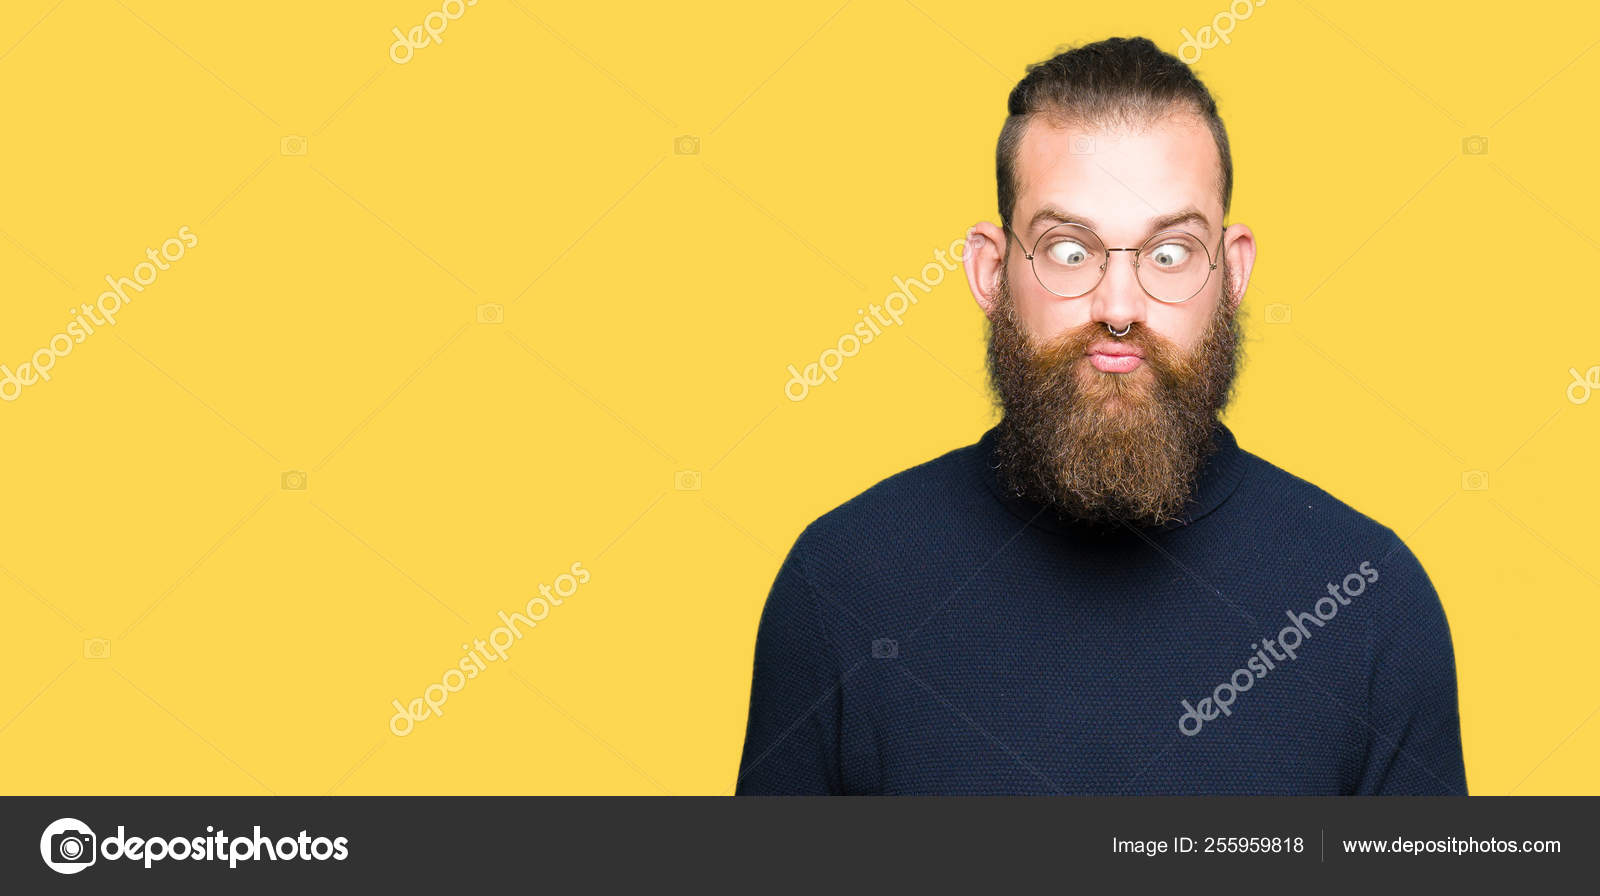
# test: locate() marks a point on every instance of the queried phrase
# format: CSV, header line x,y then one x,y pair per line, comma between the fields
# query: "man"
x,y
1105,594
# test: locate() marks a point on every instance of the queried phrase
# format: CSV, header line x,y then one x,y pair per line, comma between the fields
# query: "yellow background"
x,y
328,321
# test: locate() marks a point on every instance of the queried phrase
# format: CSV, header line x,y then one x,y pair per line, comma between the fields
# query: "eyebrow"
x,y
1164,222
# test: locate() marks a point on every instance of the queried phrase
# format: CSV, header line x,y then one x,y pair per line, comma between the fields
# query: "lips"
x,y
1115,357
1115,349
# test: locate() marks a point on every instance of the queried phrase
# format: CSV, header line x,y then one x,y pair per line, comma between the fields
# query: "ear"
x,y
984,260
1239,245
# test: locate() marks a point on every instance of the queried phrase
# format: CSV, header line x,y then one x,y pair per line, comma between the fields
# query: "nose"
x,y
1119,300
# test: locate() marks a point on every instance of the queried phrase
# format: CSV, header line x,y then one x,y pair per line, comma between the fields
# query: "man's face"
x,y
1118,184
1105,427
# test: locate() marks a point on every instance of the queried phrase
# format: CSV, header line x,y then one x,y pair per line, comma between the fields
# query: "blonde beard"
x,y
1108,448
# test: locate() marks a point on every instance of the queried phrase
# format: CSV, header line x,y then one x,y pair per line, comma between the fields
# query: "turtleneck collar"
x,y
1220,473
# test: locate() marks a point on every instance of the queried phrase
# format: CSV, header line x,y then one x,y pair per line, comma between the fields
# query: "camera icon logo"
x,y
96,648
1475,145
67,845
1082,145
491,313
686,481
292,145
885,648
293,480
1475,481
686,145
1278,313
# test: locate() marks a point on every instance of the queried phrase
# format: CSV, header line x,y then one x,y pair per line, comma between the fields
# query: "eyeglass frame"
x,y
1135,259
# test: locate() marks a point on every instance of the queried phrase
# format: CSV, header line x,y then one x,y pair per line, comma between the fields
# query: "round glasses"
x,y
1069,260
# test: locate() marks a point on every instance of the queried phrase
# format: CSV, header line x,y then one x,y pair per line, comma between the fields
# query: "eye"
x,y
1169,255
1067,252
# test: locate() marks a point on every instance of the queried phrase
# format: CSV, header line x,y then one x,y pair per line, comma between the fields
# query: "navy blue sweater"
x,y
935,635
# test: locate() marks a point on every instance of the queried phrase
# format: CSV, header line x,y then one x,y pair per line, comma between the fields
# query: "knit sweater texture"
x,y
937,635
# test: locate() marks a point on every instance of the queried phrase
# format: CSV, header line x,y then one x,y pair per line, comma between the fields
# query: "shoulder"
x,y
1294,518
1290,510
914,503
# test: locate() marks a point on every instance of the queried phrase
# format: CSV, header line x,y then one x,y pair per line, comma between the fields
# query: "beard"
x,y
1108,448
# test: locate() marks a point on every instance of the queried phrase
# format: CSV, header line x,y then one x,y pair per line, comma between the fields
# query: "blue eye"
x,y
1068,252
1169,255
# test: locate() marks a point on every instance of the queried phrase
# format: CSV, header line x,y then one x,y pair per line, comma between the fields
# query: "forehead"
x,y
1120,178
